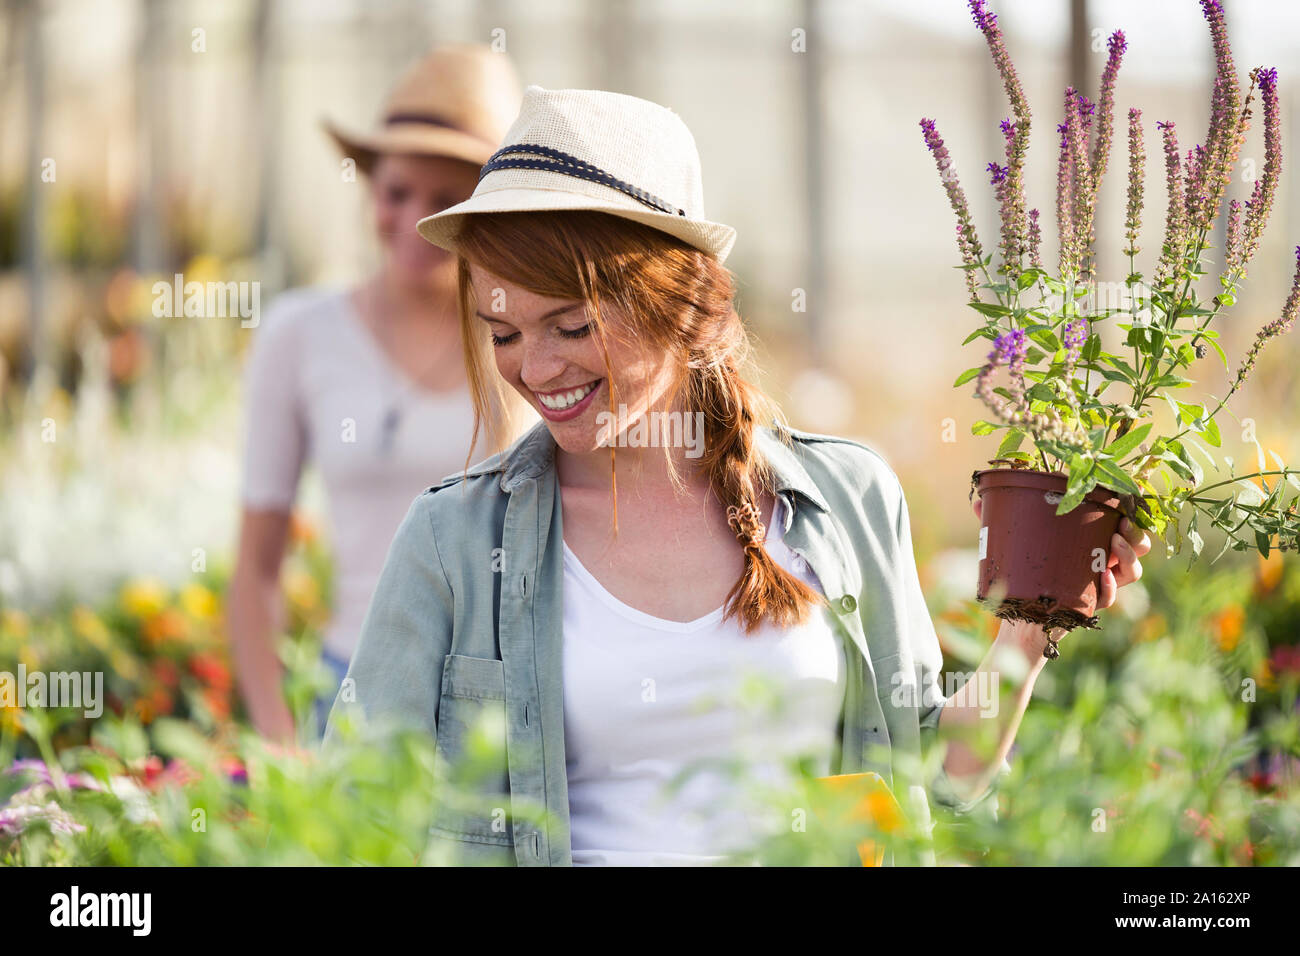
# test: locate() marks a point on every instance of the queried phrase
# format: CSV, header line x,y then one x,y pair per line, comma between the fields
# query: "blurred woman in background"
x,y
367,383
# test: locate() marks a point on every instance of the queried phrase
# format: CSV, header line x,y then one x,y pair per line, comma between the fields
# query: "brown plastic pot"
x,y
1038,562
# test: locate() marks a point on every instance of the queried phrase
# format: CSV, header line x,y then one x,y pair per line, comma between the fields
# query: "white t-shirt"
x,y
645,698
319,387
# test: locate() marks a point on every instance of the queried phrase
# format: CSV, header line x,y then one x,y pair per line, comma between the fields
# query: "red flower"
x,y
1285,660
212,670
166,671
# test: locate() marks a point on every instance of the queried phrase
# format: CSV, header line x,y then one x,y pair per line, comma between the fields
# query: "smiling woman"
x,y
618,602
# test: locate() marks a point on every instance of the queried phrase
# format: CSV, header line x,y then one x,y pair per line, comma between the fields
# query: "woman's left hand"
x,y
1123,566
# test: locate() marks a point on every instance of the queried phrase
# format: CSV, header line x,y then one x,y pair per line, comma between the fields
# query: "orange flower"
x,y
1227,627
301,528
167,625
1268,572
218,702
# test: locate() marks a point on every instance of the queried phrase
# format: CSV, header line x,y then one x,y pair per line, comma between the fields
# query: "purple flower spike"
x,y
1076,333
968,243
1035,240
1009,348
1260,204
1137,159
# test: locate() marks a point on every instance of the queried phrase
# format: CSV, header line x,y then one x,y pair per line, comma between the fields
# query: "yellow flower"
x,y
123,664
302,590
203,268
15,623
87,625
144,597
1150,628
199,602
11,719
1264,675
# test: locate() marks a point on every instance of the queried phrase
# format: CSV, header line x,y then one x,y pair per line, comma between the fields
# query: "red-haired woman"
x,y
605,596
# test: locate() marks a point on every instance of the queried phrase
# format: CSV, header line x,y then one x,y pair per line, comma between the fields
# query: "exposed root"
x,y
1043,611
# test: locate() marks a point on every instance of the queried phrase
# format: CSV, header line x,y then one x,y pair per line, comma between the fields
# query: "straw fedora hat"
x,y
590,149
457,101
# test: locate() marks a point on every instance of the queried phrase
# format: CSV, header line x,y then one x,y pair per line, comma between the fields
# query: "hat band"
x,y
557,161
427,118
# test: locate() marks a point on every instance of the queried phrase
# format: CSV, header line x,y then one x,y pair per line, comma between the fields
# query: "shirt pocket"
x,y
473,773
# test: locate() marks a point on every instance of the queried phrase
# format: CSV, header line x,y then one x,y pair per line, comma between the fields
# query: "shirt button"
x,y
848,604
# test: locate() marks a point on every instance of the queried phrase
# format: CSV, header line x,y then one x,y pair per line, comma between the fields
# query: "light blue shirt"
x,y
465,630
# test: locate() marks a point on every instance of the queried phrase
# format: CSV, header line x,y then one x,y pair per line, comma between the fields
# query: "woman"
x,y
366,383
634,584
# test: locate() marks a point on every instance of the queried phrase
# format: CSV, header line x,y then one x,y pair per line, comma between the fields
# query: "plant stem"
x,y
1259,474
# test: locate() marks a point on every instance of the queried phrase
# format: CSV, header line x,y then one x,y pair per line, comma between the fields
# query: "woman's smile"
x,y
564,404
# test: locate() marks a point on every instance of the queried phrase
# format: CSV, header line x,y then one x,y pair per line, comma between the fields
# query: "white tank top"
x,y
646,698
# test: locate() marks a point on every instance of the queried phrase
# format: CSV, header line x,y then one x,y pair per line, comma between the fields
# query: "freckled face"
x,y
549,352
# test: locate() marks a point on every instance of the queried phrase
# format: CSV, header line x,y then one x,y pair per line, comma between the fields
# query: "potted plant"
x,y
1083,440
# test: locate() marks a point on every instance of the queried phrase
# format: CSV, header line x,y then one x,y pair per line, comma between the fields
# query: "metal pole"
x,y
811,80
34,205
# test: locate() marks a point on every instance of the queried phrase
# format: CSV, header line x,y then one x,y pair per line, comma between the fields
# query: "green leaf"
x,y
1211,433
1261,541
988,332
966,376
1173,406
1116,477
1253,491
1186,458
1122,446
1043,393
991,309
1218,348
1091,348
1194,537
1192,415
1080,482
1046,339
1010,443
982,428
1120,364
1027,279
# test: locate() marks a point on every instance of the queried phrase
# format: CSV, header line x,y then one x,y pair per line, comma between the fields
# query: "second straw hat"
x,y
593,150
456,101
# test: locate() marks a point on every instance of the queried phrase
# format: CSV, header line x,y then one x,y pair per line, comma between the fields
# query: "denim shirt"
x,y
465,626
